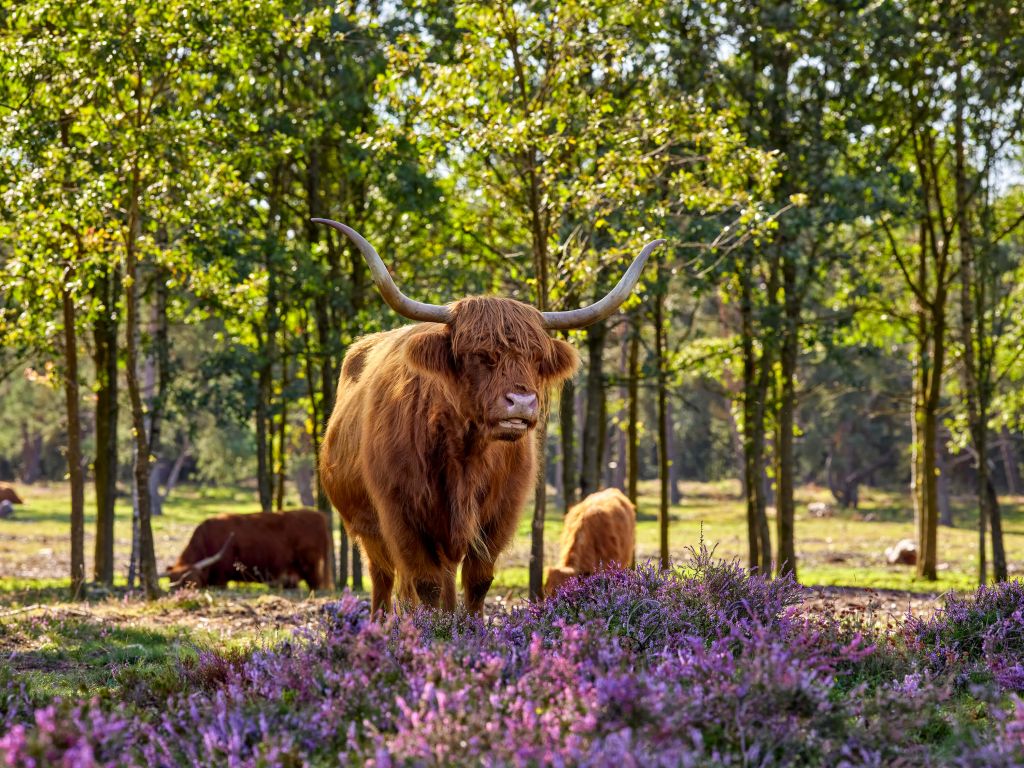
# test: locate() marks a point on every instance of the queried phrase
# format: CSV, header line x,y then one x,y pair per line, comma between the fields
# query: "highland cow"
x,y
599,532
429,456
7,493
276,548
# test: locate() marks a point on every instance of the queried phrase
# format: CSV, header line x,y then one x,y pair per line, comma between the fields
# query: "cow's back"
x,y
601,529
306,533
7,493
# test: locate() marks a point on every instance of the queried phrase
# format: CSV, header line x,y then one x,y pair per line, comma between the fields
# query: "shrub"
x,y
976,638
704,666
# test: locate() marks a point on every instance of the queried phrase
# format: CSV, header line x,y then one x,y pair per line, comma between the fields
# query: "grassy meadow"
x,y
117,648
843,549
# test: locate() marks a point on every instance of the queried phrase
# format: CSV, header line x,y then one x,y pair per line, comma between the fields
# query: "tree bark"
x,y
264,431
998,550
594,422
158,396
663,448
567,425
338,564
107,288
282,438
756,369
633,446
74,454
785,508
147,557
1011,470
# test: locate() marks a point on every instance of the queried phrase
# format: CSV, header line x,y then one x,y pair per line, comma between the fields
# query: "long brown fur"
x,y
599,532
7,493
410,458
274,547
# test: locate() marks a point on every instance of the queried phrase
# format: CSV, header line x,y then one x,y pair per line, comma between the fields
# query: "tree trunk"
x,y
147,557
282,438
675,494
756,370
31,454
108,288
567,424
264,481
1011,470
539,231
328,384
785,508
996,519
74,455
302,476
617,474
539,509
663,448
594,423
633,439
942,491
158,395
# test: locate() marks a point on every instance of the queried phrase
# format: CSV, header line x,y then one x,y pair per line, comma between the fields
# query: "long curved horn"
x,y
206,562
398,301
584,316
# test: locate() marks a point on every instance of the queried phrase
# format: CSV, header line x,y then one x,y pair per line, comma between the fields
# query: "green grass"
x,y
844,549
118,647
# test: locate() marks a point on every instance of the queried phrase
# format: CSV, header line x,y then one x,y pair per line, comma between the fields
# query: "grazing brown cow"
x,y
599,532
278,548
428,455
7,493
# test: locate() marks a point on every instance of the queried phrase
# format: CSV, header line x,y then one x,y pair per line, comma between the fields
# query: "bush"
x,y
707,665
976,638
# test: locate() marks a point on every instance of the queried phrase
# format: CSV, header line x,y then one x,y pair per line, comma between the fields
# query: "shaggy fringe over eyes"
x,y
488,323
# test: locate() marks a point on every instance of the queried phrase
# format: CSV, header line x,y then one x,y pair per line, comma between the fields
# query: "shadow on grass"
x,y
80,655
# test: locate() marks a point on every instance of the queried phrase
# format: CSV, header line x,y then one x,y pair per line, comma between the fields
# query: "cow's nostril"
x,y
523,404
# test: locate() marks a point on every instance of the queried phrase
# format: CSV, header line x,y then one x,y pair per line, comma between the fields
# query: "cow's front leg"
x,y
477,575
429,592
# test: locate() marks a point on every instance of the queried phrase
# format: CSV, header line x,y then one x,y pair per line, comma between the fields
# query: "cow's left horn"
x,y
584,316
398,301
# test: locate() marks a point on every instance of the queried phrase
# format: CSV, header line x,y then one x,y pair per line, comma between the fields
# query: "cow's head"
x,y
495,354
498,361
194,574
556,577
185,575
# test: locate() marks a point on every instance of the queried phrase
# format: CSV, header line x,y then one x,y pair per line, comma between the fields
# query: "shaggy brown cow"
x,y
599,532
426,455
7,493
278,548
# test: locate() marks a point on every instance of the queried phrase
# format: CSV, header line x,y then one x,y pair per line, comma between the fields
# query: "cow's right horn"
x,y
398,301
584,316
206,562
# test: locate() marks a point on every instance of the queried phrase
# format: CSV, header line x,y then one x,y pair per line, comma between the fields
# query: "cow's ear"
x,y
561,362
430,352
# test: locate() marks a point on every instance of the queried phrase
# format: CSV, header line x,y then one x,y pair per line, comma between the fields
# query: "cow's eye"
x,y
487,360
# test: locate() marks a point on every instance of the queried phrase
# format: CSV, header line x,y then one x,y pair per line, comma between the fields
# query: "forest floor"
x,y
112,638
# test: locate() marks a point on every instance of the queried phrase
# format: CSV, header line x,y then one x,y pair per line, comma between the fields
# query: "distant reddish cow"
x,y
277,548
7,493
428,455
599,532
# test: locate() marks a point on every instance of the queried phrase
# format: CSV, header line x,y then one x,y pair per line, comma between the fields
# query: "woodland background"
x,y
838,306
